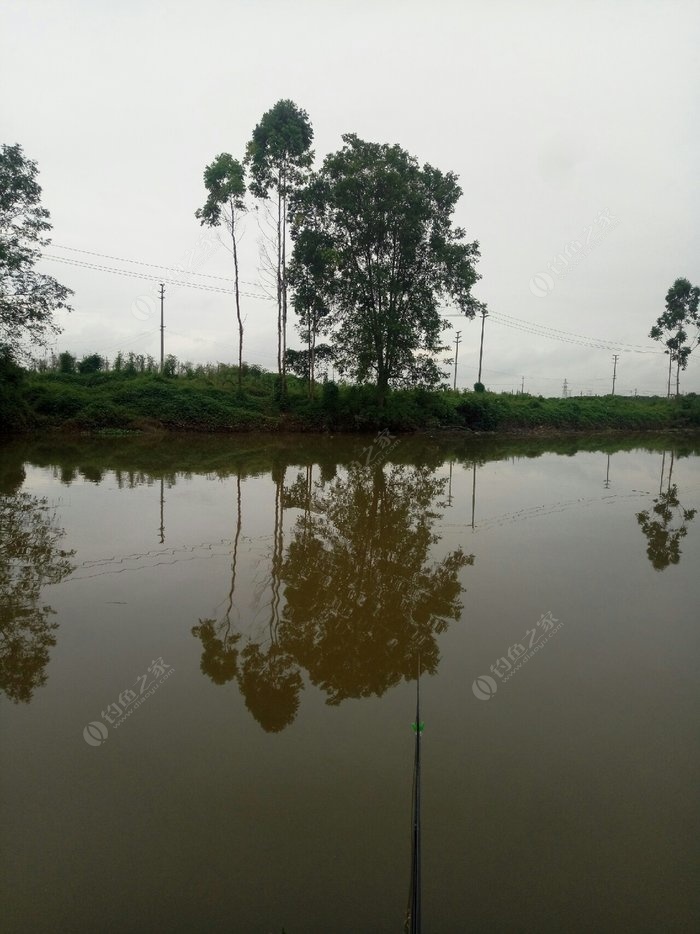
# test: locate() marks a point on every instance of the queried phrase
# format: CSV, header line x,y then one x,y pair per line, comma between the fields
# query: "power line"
x,y
548,327
540,330
594,342
528,327
150,278
138,262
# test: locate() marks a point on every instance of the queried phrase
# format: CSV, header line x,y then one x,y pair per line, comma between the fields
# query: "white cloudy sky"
x,y
550,113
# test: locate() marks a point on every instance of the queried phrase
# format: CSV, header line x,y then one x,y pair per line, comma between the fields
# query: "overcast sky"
x,y
571,126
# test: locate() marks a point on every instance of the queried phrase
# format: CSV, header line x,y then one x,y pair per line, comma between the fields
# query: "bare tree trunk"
x,y
309,360
284,289
279,279
312,365
238,298
670,363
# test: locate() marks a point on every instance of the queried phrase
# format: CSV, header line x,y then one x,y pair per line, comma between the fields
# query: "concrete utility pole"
x,y
616,357
162,326
522,386
484,316
457,341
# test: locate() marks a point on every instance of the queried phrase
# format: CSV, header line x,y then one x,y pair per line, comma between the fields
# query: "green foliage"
x,y
28,299
479,387
280,149
330,396
224,180
90,364
14,411
375,247
66,362
200,398
681,314
279,156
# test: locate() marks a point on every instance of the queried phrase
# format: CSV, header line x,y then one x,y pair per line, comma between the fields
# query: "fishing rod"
x,y
413,914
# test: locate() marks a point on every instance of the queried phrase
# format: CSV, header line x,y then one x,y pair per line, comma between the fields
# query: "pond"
x,y
208,669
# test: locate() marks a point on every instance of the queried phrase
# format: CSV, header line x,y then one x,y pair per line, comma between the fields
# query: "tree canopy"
x,y
279,157
280,149
224,180
28,299
671,327
374,234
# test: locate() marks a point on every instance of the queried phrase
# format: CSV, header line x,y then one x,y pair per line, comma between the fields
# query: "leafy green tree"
x,y
169,365
391,256
14,411
92,363
66,362
224,179
28,299
303,362
279,157
681,313
311,265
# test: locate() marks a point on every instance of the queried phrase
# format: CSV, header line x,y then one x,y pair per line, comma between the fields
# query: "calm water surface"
x,y
207,675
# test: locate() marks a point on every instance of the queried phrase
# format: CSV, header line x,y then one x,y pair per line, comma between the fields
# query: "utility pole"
x,y
162,327
565,390
457,340
484,316
522,386
616,357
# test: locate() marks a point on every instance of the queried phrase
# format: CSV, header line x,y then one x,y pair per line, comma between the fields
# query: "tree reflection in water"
x,y
666,523
362,597
30,558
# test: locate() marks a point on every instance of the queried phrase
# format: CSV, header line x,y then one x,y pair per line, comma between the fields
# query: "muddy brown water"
x,y
208,665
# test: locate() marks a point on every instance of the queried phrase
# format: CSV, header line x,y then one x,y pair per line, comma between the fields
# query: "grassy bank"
x,y
100,402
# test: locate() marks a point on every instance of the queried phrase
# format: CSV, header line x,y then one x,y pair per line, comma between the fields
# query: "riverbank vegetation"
x,y
207,399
